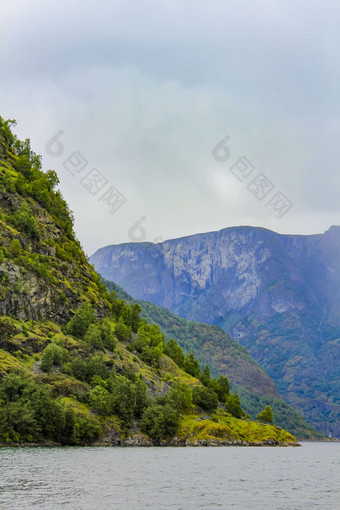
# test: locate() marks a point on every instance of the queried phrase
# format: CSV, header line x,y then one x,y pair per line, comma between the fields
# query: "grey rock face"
x,y
278,295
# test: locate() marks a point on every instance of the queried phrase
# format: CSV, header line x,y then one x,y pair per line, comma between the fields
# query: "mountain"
x,y
277,295
212,346
78,365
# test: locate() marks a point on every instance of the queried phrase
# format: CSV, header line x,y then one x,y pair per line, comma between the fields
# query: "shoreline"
x,y
165,444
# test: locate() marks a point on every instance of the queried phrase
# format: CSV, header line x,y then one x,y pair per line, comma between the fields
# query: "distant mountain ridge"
x,y
278,295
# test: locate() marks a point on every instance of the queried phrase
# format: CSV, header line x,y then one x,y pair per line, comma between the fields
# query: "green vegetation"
x,y
266,415
224,428
160,422
206,398
28,413
233,405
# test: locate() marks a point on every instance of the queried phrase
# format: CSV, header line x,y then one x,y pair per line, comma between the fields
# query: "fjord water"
x,y
171,478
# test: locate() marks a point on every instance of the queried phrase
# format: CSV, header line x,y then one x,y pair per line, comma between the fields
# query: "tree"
x,y
205,397
81,320
106,332
95,365
123,399
101,400
152,355
223,388
175,352
205,376
191,365
123,332
180,396
233,405
266,415
28,413
93,339
135,317
160,422
79,369
142,399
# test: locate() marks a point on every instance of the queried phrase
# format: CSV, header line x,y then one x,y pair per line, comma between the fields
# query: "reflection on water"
x,y
171,478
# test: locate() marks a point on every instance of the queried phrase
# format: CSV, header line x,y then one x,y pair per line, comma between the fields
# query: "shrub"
x,y
7,327
15,247
26,223
53,355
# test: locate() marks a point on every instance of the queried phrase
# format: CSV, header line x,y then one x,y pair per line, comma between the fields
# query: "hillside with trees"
x,y
78,365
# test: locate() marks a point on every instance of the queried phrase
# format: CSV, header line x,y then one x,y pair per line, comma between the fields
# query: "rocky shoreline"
x,y
144,442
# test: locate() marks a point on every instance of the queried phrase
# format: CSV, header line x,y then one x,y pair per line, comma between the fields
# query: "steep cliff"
x,y
278,295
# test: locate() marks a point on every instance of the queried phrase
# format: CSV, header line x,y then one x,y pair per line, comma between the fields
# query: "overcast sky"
x,y
143,91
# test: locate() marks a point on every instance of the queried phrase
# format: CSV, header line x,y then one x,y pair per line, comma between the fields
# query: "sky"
x,y
165,119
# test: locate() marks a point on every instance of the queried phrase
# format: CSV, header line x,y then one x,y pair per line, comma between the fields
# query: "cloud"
x,y
146,90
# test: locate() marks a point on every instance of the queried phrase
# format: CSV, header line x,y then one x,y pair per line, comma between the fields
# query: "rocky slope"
x,y
278,295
